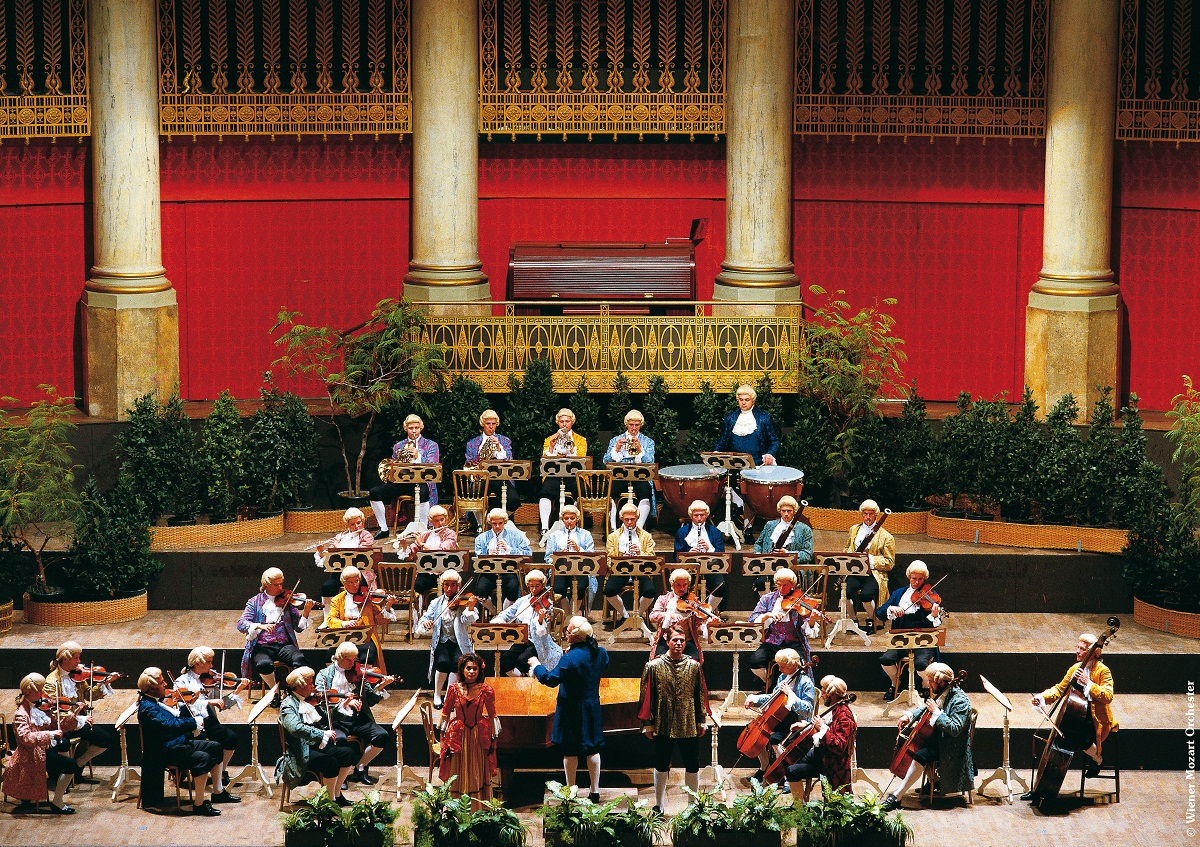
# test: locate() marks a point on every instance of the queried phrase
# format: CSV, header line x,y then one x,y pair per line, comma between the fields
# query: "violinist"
x,y
785,535
674,713
270,621
69,677
572,538
949,744
168,738
629,540
699,536
416,449
631,446
1097,680
534,610
868,537
200,680
354,608
356,537
801,698
448,618
833,743
439,536
470,727
783,617
360,687
489,445
503,539
35,760
916,606
675,609
309,745
565,443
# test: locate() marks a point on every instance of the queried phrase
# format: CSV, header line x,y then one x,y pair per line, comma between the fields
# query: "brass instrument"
x,y
564,444
633,445
409,452
489,448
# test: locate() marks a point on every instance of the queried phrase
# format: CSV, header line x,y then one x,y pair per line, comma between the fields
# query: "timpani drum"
x,y
763,486
681,484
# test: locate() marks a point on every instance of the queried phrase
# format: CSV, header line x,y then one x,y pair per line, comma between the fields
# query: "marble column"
x,y
130,314
1072,332
758,271
445,269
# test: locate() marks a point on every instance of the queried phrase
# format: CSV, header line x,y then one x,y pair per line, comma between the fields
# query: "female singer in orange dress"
x,y
470,727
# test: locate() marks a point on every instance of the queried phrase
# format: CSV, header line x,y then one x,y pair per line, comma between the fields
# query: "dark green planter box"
x,y
732,838
855,839
553,839
316,838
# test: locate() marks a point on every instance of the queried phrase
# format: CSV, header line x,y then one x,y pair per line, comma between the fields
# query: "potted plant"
x,y
662,423
110,555
16,573
569,819
704,427
587,419
38,501
757,818
454,413
843,820
308,824
529,412
806,446
181,463
282,444
223,457
160,460
1023,446
1058,464
381,362
916,459
441,820
318,821
957,442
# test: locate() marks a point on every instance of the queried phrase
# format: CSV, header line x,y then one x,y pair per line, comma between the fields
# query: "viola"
x,y
691,605
797,744
918,732
95,674
757,734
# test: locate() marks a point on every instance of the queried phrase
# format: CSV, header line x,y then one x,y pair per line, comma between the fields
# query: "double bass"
x,y
757,734
797,743
918,732
1071,723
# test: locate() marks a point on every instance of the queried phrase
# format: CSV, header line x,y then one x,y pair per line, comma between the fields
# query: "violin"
x,y
294,598
360,672
320,698
798,743
798,598
463,599
61,704
95,675
917,734
229,679
926,597
757,734
176,696
691,605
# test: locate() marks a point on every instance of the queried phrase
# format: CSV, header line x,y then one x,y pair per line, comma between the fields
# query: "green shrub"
x,y
224,454
662,423
531,406
708,414
574,821
453,418
111,548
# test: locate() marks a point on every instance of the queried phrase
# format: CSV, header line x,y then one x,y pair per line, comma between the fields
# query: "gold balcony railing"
x,y
686,351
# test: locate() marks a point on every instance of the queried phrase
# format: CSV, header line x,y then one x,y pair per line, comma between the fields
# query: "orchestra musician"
x,y
749,430
35,760
578,726
66,668
309,743
699,536
416,449
882,554
515,660
783,627
353,608
439,536
352,715
450,623
1097,680
565,443
833,744
572,538
632,447
949,745
674,713
801,698
469,730
198,679
502,539
168,738
666,615
629,540
905,613
785,535
355,537
489,446
271,628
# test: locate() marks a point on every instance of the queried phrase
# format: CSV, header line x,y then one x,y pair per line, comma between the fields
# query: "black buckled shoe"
x,y
365,778
225,797
890,803
342,801
206,810
383,533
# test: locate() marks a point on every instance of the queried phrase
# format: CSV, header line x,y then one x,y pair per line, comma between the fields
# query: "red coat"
x,y
25,777
468,722
836,746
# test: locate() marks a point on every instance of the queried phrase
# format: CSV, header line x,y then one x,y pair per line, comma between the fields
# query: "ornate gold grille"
x,y
43,69
685,351
921,67
619,67
289,67
1159,77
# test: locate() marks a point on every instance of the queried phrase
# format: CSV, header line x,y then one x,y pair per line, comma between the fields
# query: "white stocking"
x,y
915,769
619,605
692,780
570,768
439,682
380,511
643,513
60,788
593,763
90,753
369,753
544,507
660,788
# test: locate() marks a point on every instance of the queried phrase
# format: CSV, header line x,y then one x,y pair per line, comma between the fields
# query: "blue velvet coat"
x,y
765,439
578,728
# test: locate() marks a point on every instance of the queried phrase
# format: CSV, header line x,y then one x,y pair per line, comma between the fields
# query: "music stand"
x,y
840,566
630,472
254,770
396,728
911,640
126,776
1004,773
497,636
506,471
499,565
741,636
731,462
330,638
575,565
336,561
418,475
562,468
437,562
636,567
705,564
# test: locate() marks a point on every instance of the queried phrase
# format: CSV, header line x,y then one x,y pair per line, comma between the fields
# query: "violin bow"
x,y
911,607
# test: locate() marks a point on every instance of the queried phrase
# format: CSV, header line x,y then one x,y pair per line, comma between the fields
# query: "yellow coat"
x,y
580,444
335,618
883,548
644,539
1101,694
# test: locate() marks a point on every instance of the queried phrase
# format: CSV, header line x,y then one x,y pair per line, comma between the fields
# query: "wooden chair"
x,y
433,745
930,776
1111,745
179,776
470,495
285,790
595,489
5,749
397,578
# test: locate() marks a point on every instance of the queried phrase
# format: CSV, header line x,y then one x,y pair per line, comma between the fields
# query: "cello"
x,y
917,734
757,734
797,744
1071,722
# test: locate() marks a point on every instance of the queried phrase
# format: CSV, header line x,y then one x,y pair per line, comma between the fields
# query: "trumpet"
x,y
633,445
564,444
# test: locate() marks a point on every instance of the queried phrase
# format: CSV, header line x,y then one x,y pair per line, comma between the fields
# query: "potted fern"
x,y
757,818
843,820
442,820
318,821
569,819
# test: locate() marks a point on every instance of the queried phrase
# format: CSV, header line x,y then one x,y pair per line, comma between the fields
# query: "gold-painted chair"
x,y
595,490
433,745
397,579
470,495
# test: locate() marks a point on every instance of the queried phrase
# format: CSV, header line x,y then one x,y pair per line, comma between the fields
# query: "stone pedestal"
x,y
1071,347
131,342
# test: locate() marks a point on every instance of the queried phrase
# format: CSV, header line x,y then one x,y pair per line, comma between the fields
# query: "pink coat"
x,y
25,777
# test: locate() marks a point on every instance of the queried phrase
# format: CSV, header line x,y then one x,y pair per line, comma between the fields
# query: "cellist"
x,y
833,743
949,742
1097,680
801,697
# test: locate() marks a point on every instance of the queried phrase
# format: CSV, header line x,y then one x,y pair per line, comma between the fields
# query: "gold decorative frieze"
x,y
1159,77
921,67
586,67
43,69
284,67
685,351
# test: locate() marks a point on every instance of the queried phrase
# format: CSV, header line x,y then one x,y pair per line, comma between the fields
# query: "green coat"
x,y
955,764
299,739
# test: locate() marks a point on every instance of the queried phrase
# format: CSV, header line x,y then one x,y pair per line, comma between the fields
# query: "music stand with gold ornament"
x,y
497,636
562,468
506,471
704,565
911,640
635,567
499,565
577,564
628,473
732,462
400,473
